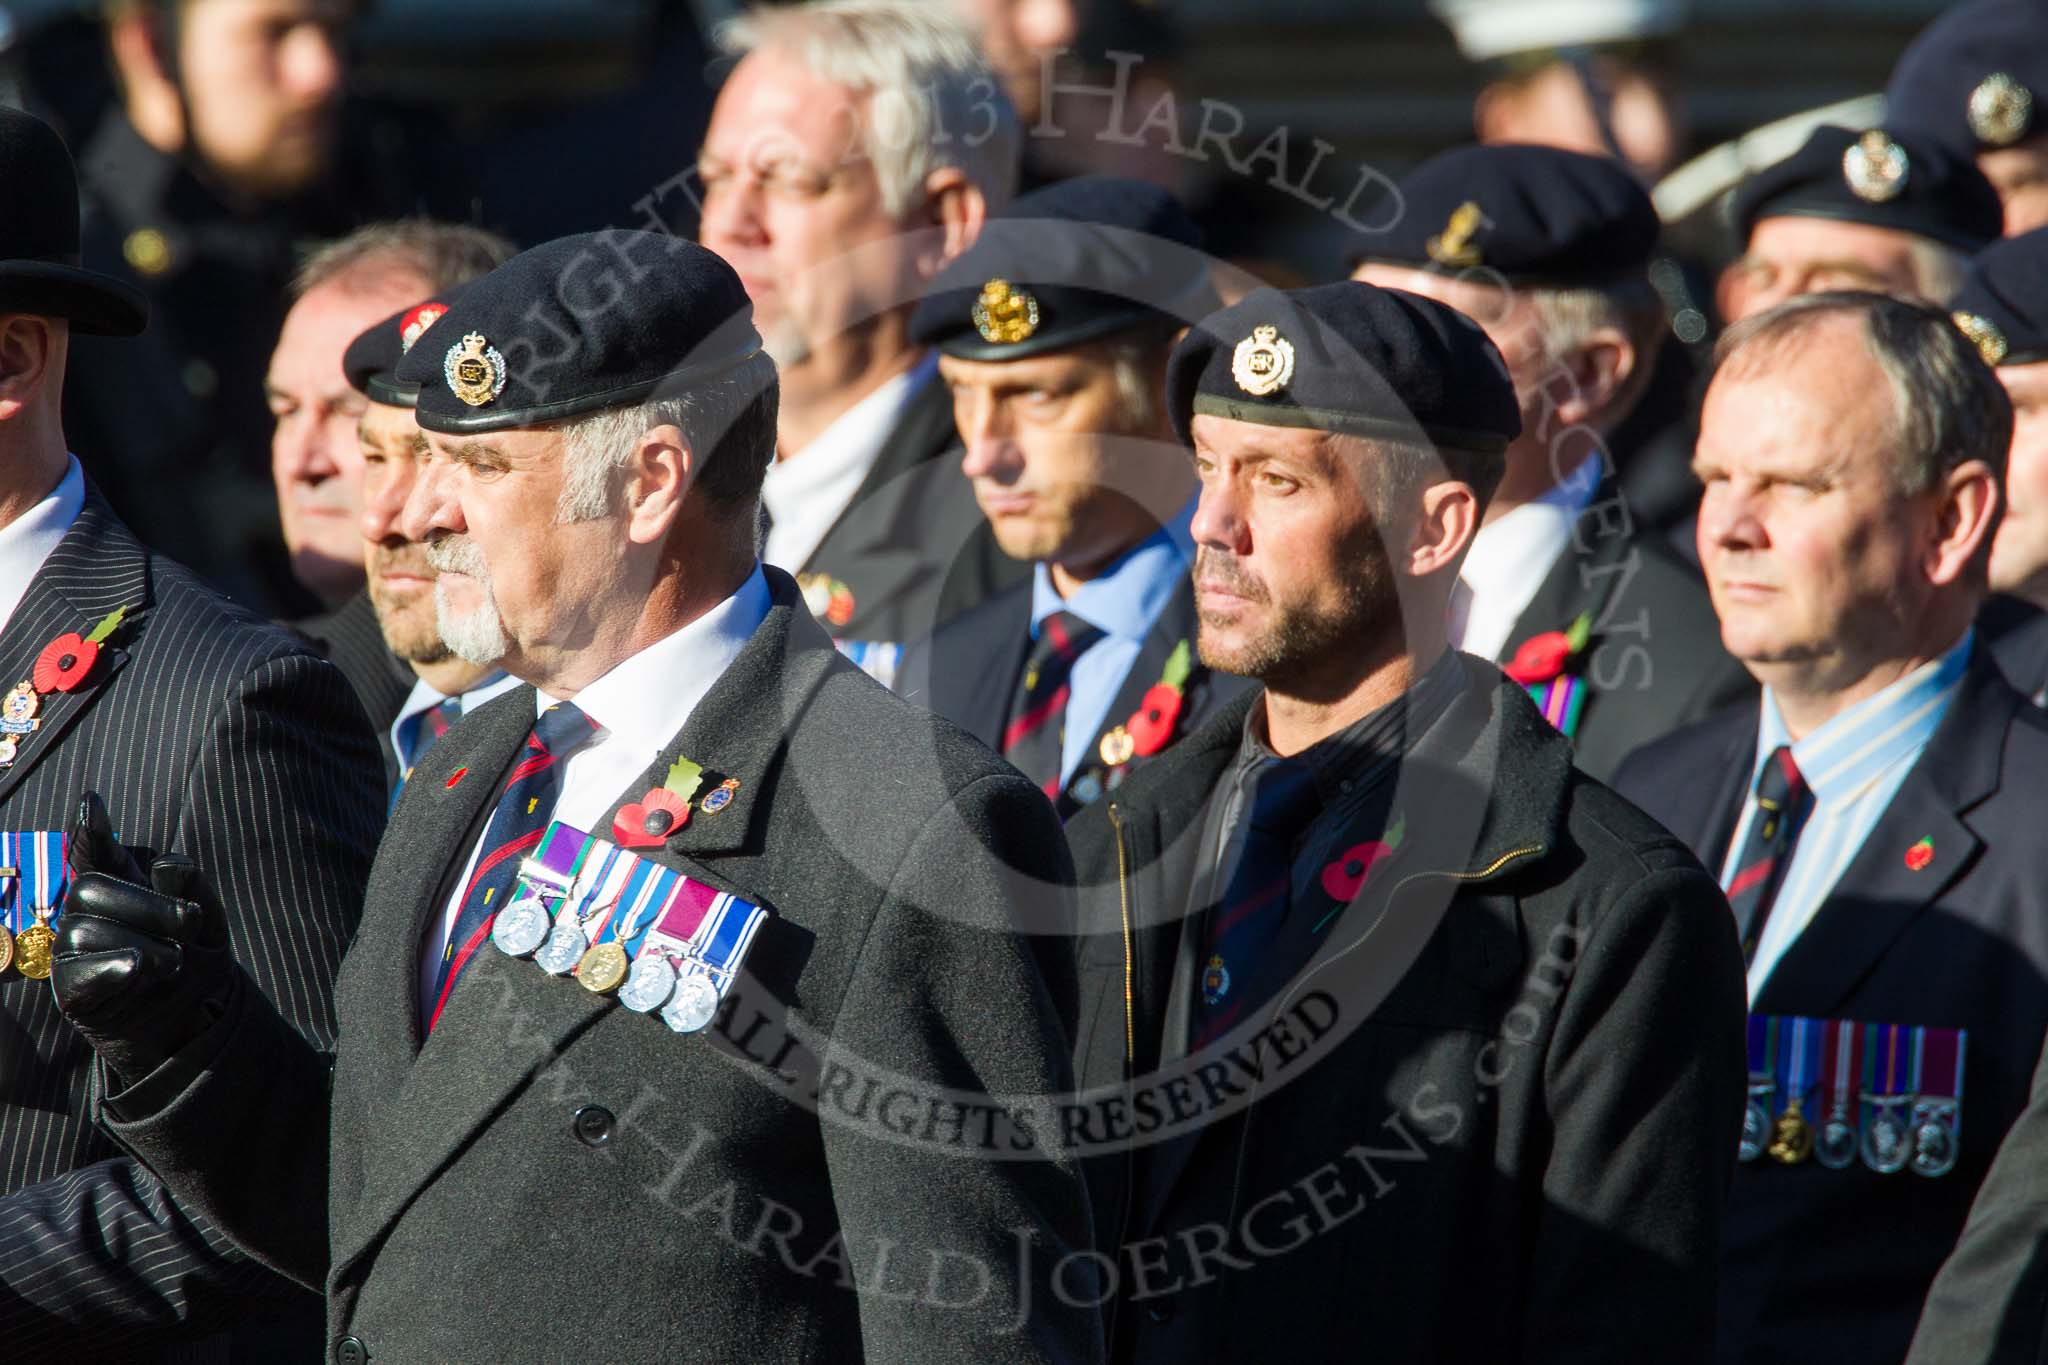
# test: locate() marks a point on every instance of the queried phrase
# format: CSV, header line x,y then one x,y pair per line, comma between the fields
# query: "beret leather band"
x,y
1344,423
624,395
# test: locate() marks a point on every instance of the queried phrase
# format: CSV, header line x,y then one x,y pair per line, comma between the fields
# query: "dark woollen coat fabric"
x,y
1958,942
212,734
1488,1113
556,1160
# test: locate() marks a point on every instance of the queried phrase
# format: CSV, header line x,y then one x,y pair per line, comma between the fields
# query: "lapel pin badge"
x,y
1920,854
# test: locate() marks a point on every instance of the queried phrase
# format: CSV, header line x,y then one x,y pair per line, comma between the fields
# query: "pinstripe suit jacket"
x,y
214,734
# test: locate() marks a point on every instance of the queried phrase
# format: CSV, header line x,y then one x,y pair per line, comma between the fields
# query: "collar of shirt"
x,y
1512,555
425,697
806,492
1123,601
28,540
1852,748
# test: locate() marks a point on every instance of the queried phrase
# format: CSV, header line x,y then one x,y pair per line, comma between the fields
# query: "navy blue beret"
x,y
1974,77
1539,216
1075,261
578,325
1350,358
372,358
1881,177
2003,304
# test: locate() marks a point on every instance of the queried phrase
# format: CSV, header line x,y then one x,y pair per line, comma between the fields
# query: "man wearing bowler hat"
x,y
1401,1038
1053,331
698,965
216,740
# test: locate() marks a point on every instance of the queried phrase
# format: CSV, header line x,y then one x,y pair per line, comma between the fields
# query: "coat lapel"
x,y
97,568
976,662
1879,894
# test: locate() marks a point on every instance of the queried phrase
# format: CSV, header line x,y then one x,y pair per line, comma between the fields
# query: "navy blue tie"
x,y
1281,803
525,807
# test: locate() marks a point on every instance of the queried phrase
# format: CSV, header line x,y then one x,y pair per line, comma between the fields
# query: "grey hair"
x,y
729,422
1568,318
932,100
1948,407
442,254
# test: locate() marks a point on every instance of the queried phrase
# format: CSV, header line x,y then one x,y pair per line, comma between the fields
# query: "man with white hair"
x,y
857,146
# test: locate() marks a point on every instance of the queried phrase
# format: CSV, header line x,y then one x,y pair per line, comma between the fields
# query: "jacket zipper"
x,y
1123,895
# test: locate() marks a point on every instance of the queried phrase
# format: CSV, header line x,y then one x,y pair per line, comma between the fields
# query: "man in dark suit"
x,y
2003,308
1377,989
590,501
1873,818
1053,331
213,736
836,218
1549,251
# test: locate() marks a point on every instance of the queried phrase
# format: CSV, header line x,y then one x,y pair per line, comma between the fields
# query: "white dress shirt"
x,y
425,697
30,538
806,492
638,708
1509,559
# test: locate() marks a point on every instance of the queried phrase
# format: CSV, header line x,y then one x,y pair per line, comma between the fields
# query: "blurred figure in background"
x,y
1973,81
857,147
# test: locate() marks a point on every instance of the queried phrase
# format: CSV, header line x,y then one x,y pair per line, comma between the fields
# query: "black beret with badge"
x,y
1536,216
1348,358
1074,262
1880,177
2002,306
1974,78
371,360
581,324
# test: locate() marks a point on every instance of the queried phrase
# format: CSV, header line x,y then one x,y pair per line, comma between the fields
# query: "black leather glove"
x,y
140,970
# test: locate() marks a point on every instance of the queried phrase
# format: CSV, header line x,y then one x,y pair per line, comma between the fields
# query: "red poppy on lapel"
x,y
456,776
1345,877
64,663
1920,855
651,819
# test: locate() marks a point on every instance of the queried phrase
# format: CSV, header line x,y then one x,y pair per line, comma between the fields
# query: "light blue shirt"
x,y
1853,765
1122,602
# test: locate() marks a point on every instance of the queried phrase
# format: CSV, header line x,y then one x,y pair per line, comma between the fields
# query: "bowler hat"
x,y
39,270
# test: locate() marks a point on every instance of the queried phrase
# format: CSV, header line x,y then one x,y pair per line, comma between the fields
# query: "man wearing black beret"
x,y
1053,332
443,686
1974,80
1548,251
2003,308
737,1104
1401,1038
214,737
1885,209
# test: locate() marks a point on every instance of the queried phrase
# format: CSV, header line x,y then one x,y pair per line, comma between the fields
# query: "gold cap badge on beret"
x,y
1983,334
2000,110
416,322
1875,167
474,370
1004,314
1453,246
1263,362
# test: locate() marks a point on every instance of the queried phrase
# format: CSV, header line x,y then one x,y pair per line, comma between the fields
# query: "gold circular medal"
x,y
6,949
1117,747
1791,1138
32,951
603,968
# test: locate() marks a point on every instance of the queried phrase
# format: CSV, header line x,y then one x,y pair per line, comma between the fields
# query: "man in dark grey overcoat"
x,y
838,1157
1401,1039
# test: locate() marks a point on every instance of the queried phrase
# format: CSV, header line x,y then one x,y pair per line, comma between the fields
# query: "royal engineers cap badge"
x,y
1004,314
1263,362
2000,110
474,370
1983,334
1875,167
416,322
1453,246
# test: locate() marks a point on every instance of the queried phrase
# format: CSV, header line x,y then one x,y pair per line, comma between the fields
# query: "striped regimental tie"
x,y
1033,739
1783,802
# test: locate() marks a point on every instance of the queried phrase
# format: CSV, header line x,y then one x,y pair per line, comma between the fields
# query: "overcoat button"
x,y
594,1125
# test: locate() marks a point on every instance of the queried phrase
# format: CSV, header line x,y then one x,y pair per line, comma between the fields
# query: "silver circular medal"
x,y
1934,1149
1886,1145
696,1001
521,928
565,947
649,984
1756,1132
1836,1149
